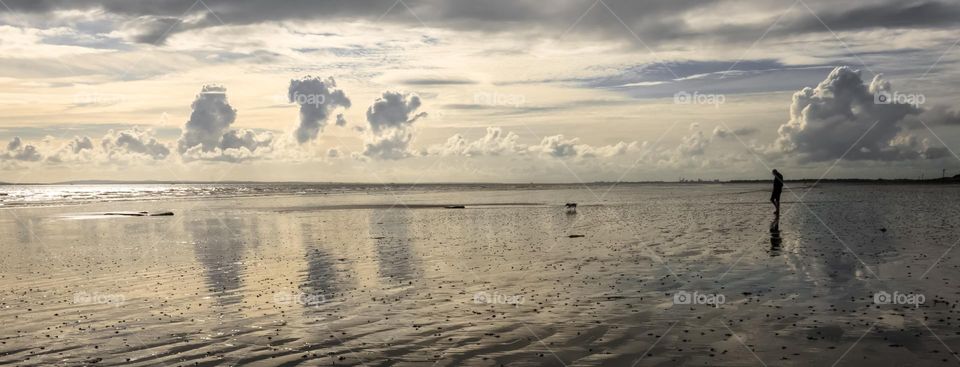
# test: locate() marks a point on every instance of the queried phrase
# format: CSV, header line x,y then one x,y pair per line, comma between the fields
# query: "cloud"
x,y
938,115
207,135
317,98
391,118
245,138
827,120
231,155
890,14
394,110
389,144
437,81
133,145
77,149
494,143
557,146
153,29
721,132
152,21
211,117
17,150
694,144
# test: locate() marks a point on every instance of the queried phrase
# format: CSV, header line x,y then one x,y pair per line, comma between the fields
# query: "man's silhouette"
x,y
777,189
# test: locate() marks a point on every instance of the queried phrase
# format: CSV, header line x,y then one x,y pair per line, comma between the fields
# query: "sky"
x,y
419,91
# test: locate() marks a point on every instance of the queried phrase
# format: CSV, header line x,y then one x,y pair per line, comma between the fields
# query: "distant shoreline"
x,y
938,181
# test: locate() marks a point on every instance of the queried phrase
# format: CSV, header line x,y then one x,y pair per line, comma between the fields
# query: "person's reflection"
x,y
320,279
393,242
775,239
219,250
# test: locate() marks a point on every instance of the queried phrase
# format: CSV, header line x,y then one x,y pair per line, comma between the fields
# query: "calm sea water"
x,y
45,195
32,195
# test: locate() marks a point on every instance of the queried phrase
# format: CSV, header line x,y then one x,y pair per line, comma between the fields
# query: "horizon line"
x,y
682,181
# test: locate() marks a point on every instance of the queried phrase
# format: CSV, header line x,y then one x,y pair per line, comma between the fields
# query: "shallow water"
x,y
393,278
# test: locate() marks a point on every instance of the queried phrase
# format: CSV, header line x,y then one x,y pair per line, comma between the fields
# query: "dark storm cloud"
x,y
940,115
892,14
155,30
653,20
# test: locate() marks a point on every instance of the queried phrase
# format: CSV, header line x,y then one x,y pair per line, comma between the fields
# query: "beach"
x,y
641,275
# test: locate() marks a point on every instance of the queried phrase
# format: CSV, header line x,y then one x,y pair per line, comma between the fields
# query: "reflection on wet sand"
x,y
389,233
775,240
220,250
320,280
434,286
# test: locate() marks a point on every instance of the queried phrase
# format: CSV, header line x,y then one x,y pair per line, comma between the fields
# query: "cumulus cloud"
x,y
390,144
317,99
694,144
210,119
391,119
244,138
394,110
207,135
17,150
495,142
133,144
827,120
77,149
558,146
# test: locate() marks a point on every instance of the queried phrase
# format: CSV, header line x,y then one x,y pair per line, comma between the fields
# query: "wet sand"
x,y
398,279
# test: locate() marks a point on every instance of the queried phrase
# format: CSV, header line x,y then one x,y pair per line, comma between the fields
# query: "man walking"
x,y
777,189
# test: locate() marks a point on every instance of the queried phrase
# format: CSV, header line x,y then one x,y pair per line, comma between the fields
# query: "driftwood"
x,y
141,214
